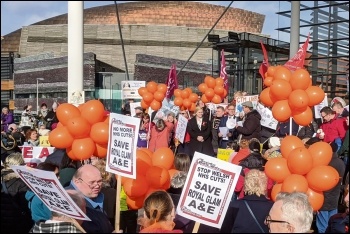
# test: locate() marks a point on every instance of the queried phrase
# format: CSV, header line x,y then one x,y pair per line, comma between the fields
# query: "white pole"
x,y
75,47
37,96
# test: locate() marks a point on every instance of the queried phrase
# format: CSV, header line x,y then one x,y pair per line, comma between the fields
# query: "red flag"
x,y
171,82
223,73
299,58
265,63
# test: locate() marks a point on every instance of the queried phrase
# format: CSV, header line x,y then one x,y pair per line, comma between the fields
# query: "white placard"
x,y
267,119
181,128
50,191
224,131
35,154
208,190
130,89
167,107
319,107
122,145
239,108
132,107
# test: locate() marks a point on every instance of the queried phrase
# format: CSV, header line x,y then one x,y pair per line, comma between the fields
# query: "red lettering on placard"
x,y
44,152
27,152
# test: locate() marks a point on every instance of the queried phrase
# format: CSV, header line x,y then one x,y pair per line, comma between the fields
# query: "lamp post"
x,y
37,94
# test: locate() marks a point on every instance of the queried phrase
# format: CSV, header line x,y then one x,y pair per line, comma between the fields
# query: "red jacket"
x,y
160,139
335,128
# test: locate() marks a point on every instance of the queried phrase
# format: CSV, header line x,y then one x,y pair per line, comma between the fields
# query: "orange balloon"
x,y
219,90
216,99
219,81
152,86
100,150
187,103
321,153
298,100
209,93
322,178
265,97
172,172
143,162
300,79
178,101
157,176
70,154
224,94
155,105
80,107
106,120
282,73
202,87
123,179
66,111
136,203
268,81
83,148
276,189
59,124
271,71
148,97
166,185
188,89
142,91
193,97
61,138
136,187
152,190
144,104
159,96
295,183
93,111
280,89
78,127
193,106
205,99
147,151
210,82
277,169
100,133
288,144
299,161
177,93
316,95
303,118
315,198
281,111
162,88
206,78
185,94
163,157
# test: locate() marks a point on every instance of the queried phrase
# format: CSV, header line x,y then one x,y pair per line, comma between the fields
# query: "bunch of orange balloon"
x,y
303,169
82,131
154,171
185,99
152,95
213,90
290,94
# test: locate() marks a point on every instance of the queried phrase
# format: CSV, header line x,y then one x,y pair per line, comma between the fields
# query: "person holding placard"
x,y
159,214
60,223
227,131
251,126
199,128
88,181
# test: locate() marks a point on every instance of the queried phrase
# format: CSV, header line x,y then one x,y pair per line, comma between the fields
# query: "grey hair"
x,y
297,210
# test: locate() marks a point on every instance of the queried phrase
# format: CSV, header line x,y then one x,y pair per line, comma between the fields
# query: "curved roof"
x,y
172,13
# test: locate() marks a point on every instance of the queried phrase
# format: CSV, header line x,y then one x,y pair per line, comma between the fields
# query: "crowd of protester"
x,y
251,208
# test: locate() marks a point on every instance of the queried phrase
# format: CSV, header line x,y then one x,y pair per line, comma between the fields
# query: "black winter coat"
x,y
251,126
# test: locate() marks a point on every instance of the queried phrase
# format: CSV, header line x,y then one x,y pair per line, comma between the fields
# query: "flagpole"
x,y
199,45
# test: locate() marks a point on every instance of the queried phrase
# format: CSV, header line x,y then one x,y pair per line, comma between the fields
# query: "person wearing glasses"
x,y
291,213
333,128
228,122
88,180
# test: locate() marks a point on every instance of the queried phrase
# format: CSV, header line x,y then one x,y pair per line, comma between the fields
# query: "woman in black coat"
x,y
199,128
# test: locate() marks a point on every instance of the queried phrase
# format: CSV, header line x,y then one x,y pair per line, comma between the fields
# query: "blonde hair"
x,y
197,109
14,159
255,183
157,206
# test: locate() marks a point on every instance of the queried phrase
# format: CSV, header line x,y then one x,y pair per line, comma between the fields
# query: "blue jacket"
x,y
38,209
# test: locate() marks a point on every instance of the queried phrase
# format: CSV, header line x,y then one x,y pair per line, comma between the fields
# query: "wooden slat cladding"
x,y
7,85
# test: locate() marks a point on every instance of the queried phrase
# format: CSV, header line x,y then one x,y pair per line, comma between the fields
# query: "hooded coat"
x,y
251,126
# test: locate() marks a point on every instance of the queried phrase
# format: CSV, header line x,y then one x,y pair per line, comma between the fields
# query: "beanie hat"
x,y
254,146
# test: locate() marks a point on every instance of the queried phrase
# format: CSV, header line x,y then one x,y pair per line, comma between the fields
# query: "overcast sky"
x,y
16,14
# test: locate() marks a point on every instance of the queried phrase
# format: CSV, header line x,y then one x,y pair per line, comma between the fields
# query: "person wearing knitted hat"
x,y
274,149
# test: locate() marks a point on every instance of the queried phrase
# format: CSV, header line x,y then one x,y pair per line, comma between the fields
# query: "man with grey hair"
x,y
60,223
291,213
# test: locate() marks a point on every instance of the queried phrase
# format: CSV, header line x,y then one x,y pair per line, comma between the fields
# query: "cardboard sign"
x,y
167,107
208,190
33,154
122,145
224,154
181,128
267,119
50,191
239,108
44,141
